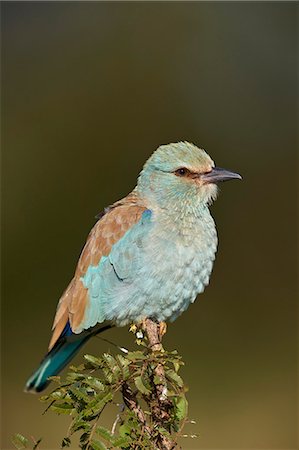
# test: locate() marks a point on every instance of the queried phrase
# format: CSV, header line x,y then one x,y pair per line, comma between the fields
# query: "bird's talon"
x,y
133,328
162,329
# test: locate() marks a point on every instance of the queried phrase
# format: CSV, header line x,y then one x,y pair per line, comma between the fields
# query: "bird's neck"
x,y
184,218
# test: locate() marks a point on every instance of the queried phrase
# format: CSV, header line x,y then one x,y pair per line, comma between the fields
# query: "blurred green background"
x,y
89,90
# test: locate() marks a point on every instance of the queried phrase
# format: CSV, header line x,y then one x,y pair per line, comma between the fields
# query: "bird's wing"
x,y
112,226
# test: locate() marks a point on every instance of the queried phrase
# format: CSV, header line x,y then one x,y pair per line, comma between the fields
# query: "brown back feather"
x,y
118,219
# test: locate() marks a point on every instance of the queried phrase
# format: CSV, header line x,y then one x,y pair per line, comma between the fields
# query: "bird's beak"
x,y
218,174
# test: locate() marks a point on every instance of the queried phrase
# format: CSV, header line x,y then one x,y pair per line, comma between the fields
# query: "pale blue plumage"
x,y
153,271
149,255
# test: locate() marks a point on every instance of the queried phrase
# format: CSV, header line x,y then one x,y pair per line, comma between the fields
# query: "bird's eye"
x,y
182,171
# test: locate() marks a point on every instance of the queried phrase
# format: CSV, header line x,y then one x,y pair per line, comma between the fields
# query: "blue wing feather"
x,y
109,283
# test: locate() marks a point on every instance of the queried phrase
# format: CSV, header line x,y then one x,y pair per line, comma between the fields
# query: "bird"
x,y
148,256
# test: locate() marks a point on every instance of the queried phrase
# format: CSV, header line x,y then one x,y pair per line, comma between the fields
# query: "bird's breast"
x,y
178,261
155,271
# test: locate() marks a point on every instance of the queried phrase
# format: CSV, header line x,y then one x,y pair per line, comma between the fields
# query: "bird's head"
x,y
181,174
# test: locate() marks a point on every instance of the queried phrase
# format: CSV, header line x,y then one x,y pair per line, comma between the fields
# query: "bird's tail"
x,y
58,357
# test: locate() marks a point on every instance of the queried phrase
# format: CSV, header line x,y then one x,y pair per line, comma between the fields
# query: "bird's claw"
x,y
162,329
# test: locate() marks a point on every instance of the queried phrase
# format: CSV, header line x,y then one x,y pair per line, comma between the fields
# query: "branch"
x,y
132,403
159,403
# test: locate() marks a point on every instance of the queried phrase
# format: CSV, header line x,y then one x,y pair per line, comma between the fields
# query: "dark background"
x,y
89,90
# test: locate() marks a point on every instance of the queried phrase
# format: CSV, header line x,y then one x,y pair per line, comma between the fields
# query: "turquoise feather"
x,y
57,358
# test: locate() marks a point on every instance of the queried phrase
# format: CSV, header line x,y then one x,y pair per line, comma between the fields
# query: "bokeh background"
x,y
89,90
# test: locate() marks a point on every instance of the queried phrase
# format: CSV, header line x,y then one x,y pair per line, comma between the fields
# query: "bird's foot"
x,y
152,329
162,329
133,328
138,330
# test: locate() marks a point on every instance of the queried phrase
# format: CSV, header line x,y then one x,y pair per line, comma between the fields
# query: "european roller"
x,y
148,256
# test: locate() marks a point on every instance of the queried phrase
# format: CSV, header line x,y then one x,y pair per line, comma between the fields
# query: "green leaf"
x,y
84,438
139,383
121,442
174,377
80,424
104,433
125,430
181,407
66,442
110,361
96,362
138,355
80,394
19,441
176,365
72,377
96,445
77,368
112,366
57,395
124,364
56,379
98,404
108,375
94,383
63,408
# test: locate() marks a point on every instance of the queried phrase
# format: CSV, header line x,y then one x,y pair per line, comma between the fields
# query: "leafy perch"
x,y
143,385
